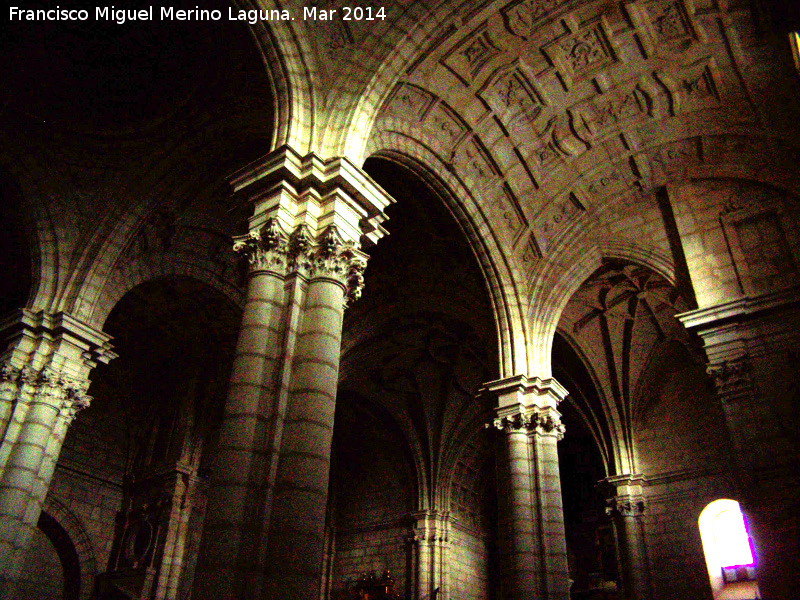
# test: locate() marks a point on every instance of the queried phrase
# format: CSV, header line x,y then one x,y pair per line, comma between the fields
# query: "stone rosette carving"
x,y
327,256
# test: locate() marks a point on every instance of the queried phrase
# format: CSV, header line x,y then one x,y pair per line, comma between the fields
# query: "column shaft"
x,y
20,478
551,511
229,565
297,525
266,514
520,558
531,528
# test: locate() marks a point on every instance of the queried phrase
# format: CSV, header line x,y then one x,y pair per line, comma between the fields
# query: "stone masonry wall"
x,y
369,550
468,561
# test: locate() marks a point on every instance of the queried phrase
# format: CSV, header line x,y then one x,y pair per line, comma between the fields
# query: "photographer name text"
x,y
121,16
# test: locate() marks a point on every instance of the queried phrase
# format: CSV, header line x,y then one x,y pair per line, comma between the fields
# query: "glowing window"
x,y
731,539
794,40
729,551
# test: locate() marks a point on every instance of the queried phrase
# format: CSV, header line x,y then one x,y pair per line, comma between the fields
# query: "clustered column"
x,y
44,381
531,527
626,508
431,540
264,533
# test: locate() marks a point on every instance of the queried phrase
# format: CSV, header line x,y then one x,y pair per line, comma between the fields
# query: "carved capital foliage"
x,y
328,256
533,420
730,373
66,394
266,249
625,506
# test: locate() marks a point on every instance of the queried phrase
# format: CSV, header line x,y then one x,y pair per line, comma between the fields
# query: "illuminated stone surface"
x,y
594,250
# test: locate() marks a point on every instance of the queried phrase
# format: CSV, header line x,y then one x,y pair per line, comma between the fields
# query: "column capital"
x,y
310,191
430,525
39,339
533,419
624,494
328,256
729,373
525,391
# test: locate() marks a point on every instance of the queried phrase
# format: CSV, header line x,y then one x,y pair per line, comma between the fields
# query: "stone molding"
x,y
308,190
528,391
747,307
38,337
526,404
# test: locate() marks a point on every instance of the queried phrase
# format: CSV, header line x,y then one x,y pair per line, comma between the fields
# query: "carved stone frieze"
x,y
625,506
730,373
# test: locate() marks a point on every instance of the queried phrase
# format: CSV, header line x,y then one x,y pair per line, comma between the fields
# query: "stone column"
x,y
431,536
751,345
45,378
625,506
531,527
264,533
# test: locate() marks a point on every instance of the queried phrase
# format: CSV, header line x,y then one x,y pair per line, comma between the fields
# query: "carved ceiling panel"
x,y
546,110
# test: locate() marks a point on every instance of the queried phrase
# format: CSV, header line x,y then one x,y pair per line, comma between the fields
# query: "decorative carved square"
x,y
522,16
604,114
670,21
756,234
469,56
407,102
582,53
514,99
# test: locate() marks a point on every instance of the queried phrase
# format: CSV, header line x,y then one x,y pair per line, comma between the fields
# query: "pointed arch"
x,y
499,271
